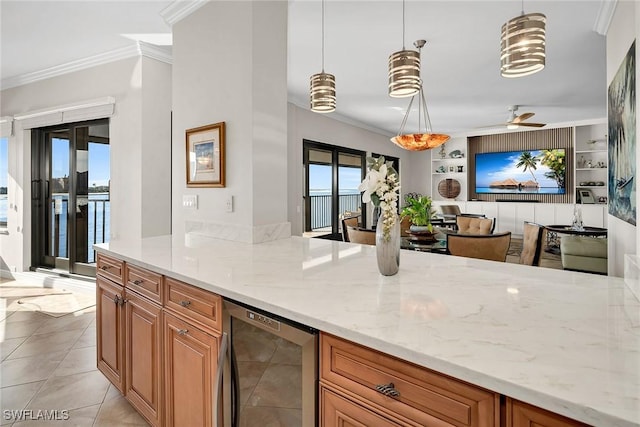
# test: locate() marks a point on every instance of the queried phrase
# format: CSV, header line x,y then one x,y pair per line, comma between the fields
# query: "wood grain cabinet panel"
x,y
144,357
195,304
145,282
520,414
111,268
419,394
190,367
110,331
338,411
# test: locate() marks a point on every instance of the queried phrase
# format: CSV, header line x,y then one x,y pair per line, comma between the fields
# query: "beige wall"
x,y
139,142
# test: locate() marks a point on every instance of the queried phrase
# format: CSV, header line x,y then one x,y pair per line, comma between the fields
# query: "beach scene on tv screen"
x,y
521,172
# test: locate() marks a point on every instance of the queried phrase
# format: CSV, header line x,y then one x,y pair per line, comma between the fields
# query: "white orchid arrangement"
x,y
381,187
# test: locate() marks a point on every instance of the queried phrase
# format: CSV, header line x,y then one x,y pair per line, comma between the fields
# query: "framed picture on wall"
x,y
205,156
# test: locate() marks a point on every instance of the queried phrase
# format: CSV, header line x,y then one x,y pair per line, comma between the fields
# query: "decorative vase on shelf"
x,y
388,245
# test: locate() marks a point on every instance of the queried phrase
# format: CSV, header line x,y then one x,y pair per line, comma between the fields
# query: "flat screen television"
x,y
521,172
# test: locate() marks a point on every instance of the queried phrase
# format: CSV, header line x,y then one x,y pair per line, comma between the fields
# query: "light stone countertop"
x,y
559,340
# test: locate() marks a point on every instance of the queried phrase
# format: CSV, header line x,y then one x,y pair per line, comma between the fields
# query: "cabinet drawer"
x,y
144,282
422,394
338,411
520,414
196,304
111,268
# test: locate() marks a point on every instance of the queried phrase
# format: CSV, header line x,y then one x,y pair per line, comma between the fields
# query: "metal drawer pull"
x,y
116,299
123,301
182,331
137,282
105,267
185,303
388,390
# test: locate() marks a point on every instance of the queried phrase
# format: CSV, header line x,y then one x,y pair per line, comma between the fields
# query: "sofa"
x,y
584,253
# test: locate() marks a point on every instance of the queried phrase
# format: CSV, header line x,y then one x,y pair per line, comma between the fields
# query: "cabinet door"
x,y
521,414
110,331
190,367
336,411
144,356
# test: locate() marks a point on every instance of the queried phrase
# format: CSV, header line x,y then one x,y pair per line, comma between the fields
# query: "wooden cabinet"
x,y
520,414
110,330
159,349
143,362
384,384
339,411
190,367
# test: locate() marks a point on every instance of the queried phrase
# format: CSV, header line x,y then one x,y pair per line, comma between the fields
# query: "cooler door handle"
x,y
222,356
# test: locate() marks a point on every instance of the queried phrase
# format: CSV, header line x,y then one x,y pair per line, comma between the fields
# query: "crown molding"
x,y
179,10
605,15
137,49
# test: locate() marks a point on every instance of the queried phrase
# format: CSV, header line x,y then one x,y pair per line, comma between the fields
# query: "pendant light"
x,y
404,70
419,141
522,45
323,85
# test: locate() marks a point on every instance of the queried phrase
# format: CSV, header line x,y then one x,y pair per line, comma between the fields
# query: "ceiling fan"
x,y
515,121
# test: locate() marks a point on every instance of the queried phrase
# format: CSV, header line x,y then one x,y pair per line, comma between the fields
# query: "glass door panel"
x,y
320,203
332,176
70,191
57,193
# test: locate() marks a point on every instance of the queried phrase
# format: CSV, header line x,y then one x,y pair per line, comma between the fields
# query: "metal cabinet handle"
x,y
388,390
116,299
185,303
137,282
183,331
105,267
222,355
123,301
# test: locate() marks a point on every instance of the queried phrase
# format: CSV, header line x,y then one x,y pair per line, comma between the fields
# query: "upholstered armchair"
x,y
584,253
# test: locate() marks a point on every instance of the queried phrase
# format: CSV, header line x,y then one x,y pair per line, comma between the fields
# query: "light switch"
x,y
229,204
190,201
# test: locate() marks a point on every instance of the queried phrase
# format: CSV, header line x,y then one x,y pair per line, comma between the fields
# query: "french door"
x,y
332,175
70,195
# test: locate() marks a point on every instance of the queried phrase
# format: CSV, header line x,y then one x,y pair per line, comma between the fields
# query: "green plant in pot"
x,y
418,209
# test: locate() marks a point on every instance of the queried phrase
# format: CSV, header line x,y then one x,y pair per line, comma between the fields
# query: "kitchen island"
x,y
559,340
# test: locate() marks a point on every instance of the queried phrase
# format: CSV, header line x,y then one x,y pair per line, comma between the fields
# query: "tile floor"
x,y
49,363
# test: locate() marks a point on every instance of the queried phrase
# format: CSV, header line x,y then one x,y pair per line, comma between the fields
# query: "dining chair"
x,y
348,222
361,235
531,243
474,225
493,247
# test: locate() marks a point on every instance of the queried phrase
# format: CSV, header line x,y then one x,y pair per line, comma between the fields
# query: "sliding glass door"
x,y
332,176
70,195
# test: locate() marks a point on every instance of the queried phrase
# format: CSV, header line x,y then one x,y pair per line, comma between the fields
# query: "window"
x,y
4,181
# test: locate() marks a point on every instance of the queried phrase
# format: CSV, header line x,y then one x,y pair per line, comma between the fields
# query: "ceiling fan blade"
x,y
533,125
522,117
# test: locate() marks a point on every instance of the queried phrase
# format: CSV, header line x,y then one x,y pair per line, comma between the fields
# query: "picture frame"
x,y
586,196
206,155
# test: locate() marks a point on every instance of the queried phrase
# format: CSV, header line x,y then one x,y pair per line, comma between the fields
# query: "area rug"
x,y
57,305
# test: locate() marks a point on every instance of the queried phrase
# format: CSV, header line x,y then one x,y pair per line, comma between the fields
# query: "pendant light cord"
x,y
522,11
403,17
323,36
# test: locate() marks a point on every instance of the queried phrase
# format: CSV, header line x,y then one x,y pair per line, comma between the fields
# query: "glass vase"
x,y
388,245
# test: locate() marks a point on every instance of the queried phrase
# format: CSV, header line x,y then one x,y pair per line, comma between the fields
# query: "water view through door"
x,y
71,196
332,176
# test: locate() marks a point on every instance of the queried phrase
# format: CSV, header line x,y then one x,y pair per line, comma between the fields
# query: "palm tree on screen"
x,y
528,162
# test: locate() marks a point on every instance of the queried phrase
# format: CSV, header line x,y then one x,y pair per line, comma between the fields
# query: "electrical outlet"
x,y
229,204
190,201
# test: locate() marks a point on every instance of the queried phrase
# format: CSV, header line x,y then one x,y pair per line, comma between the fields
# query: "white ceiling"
x,y
460,68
